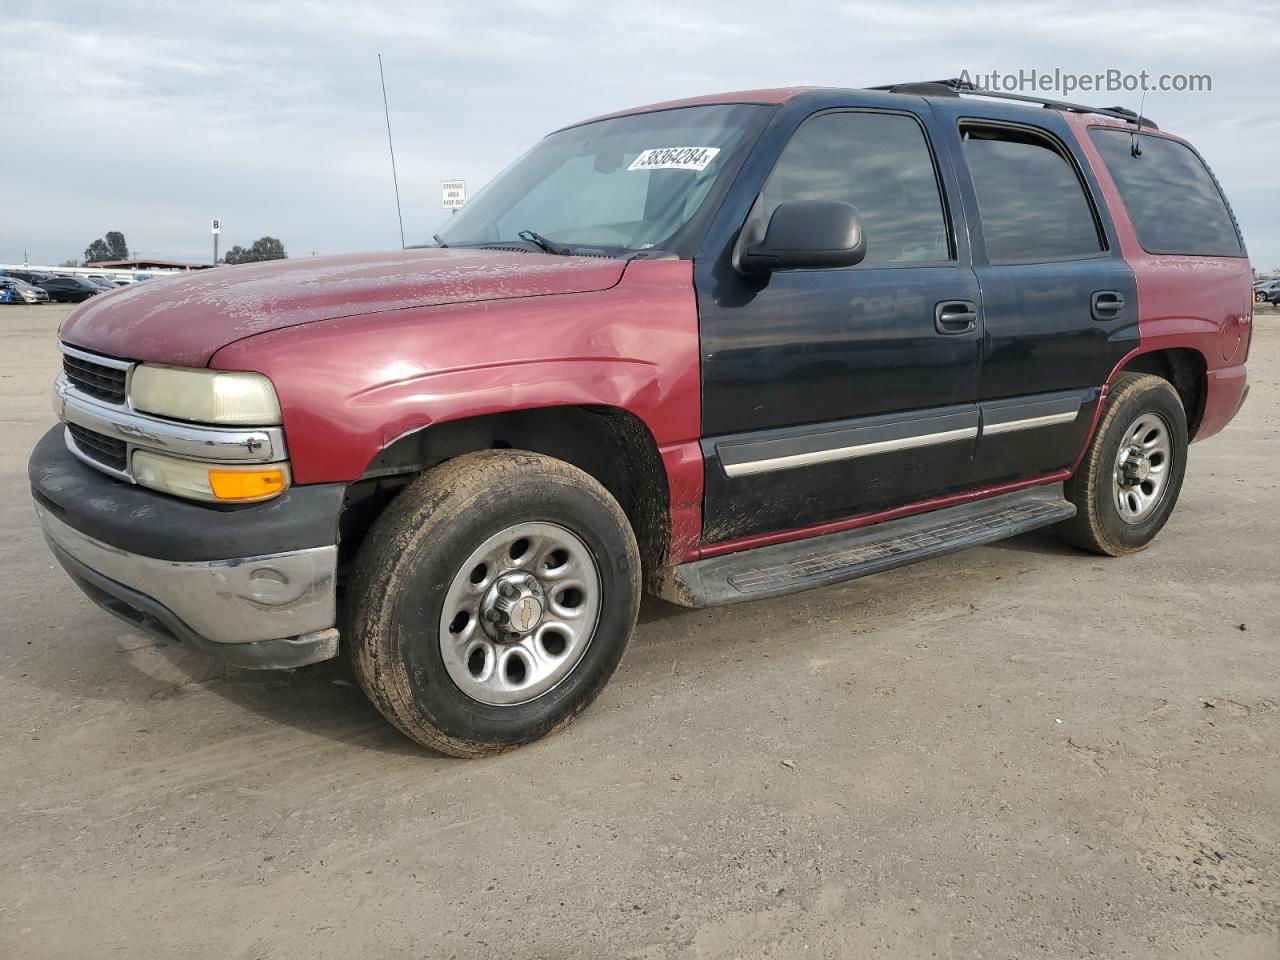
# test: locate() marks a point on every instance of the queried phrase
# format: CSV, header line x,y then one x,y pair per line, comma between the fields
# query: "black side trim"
x,y
156,525
153,617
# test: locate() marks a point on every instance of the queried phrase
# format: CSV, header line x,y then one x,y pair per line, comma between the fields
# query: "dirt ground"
x,y
1018,751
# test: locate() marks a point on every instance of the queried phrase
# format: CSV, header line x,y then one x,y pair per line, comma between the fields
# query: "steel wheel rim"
x,y
1143,466
520,614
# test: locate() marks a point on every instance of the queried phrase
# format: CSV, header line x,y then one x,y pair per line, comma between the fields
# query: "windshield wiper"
x,y
540,241
439,242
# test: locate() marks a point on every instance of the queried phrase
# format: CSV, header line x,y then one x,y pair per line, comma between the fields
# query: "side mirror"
x,y
807,234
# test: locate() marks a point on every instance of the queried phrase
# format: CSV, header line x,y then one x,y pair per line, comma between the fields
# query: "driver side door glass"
x,y
881,164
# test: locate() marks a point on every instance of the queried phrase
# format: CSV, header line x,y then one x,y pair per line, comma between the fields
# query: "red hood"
x,y
185,320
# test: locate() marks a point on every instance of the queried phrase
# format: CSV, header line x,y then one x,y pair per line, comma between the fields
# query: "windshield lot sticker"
x,y
674,158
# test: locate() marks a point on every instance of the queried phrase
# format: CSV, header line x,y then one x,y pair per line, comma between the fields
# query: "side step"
x,y
834,557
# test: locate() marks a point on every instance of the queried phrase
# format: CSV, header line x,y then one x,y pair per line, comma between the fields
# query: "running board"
x,y
834,557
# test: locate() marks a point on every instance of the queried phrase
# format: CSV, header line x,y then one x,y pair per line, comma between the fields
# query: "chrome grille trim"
x,y
101,377
83,457
189,440
99,358
116,422
104,450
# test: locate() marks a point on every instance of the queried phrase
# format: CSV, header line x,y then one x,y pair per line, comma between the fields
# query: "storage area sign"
x,y
217,227
453,193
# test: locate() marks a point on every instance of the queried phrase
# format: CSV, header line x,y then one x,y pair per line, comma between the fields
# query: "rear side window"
x,y
879,162
1175,206
1030,199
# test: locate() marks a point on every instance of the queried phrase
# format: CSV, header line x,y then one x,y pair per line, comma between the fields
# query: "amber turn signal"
x,y
247,484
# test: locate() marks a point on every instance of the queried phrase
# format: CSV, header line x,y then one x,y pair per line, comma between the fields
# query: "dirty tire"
x,y
1097,525
415,550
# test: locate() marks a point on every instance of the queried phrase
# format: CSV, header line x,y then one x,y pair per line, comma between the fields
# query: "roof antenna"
x,y
1135,148
394,181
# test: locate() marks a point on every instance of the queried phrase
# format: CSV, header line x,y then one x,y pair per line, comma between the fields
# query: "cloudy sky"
x,y
153,117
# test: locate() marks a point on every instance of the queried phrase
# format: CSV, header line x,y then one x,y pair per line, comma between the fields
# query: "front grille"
x,y
104,450
96,379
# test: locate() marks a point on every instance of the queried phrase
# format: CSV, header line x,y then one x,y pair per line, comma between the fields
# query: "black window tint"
x,y
881,164
1171,198
1032,204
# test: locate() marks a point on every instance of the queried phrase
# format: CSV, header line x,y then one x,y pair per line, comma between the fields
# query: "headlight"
x,y
205,396
214,482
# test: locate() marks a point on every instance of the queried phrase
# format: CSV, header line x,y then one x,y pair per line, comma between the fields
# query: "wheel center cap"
x,y
524,616
513,607
1136,469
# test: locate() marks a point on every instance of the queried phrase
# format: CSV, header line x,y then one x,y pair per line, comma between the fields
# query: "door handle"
x,y
1106,304
952,317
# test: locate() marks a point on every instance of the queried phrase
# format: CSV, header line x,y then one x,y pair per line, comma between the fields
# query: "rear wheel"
x,y
492,601
1128,483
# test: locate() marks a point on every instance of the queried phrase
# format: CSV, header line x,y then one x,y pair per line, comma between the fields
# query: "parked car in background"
x,y
69,289
101,283
110,281
1266,291
19,291
27,276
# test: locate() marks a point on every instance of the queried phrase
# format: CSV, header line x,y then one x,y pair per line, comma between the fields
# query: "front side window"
x,y
880,163
613,186
1174,205
1031,202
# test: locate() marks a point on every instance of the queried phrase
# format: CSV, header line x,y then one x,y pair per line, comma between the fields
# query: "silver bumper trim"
x,y
240,600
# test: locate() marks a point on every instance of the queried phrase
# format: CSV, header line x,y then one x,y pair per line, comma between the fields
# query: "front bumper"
x,y
255,586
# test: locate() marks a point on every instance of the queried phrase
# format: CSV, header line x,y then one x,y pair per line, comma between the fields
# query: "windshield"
x,y
613,186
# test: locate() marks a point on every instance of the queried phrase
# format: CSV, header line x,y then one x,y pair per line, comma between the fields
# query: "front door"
x,y
833,392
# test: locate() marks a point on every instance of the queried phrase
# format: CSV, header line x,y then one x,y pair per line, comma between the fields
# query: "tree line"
x,y
112,246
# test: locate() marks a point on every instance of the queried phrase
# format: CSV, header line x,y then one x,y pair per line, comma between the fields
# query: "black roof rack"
x,y
956,87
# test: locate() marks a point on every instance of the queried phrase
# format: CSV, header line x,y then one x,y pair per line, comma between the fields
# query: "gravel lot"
x,y
1018,751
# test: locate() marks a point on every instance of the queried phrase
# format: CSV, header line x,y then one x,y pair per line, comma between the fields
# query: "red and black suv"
x,y
722,349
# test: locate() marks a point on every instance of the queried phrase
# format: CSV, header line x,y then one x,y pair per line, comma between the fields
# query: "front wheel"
x,y
492,601
1128,482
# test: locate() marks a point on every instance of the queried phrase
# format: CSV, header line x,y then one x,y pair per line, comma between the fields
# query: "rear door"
x,y
1060,302
833,392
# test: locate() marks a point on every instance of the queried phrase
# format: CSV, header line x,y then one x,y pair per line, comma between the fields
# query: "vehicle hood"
x,y
185,320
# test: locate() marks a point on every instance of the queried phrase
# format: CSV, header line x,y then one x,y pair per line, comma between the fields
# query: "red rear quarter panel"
x,y
1199,303
349,387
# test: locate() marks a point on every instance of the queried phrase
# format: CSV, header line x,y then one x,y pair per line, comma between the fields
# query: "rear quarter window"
x,y
1172,199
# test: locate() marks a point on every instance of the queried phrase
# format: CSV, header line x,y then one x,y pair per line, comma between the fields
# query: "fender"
x,y
350,387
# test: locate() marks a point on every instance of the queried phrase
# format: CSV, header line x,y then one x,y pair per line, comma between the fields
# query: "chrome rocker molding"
x,y
768,465
1030,423
889,434
228,603
1029,413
